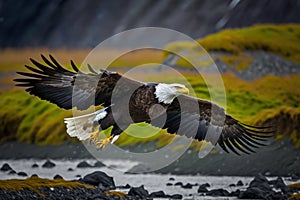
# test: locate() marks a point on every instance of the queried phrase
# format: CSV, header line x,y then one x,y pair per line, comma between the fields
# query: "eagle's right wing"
x,y
203,120
65,88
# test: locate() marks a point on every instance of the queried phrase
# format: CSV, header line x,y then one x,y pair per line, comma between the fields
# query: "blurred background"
x,y
255,44
80,24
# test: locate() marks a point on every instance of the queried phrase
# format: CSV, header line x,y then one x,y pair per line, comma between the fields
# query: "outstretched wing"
x,y
195,118
65,88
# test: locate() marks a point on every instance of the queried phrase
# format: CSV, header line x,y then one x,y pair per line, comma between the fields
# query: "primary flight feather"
x,y
126,101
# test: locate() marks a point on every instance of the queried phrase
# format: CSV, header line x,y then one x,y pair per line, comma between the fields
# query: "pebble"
x,y
99,164
34,176
239,183
127,186
179,183
57,176
187,186
217,193
12,172
48,164
5,167
138,191
158,194
176,196
84,164
34,165
203,188
22,174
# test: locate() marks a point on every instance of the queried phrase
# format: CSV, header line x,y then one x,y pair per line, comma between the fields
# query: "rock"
x,y
22,174
176,196
203,188
206,184
268,174
83,164
254,193
261,182
78,176
187,186
48,164
218,193
57,176
138,169
279,184
70,169
5,167
100,179
179,183
99,164
232,185
235,193
158,194
138,191
239,183
12,172
259,188
171,179
127,186
169,184
99,196
294,177
34,176
34,165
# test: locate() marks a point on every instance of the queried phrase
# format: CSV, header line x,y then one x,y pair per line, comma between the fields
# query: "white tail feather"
x,y
83,126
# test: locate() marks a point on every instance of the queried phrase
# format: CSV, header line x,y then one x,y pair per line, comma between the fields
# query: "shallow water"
x,y
152,182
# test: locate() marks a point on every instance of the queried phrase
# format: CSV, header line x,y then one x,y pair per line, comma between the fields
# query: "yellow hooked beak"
x,y
183,90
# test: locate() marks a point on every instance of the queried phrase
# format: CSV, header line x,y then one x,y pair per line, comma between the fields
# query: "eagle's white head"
x,y
165,93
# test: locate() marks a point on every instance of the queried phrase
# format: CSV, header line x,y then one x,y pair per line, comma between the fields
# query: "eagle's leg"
x,y
94,136
115,133
104,142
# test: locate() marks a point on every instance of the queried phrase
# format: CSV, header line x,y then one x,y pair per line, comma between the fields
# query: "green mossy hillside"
x,y
28,119
283,40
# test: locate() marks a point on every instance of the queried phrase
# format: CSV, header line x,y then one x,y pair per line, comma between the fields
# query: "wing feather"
x,y
51,81
235,136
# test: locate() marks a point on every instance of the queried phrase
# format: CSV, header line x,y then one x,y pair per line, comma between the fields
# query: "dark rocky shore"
x,y
99,185
279,158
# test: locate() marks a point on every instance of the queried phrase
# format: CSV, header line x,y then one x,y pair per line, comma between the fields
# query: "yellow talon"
x,y
104,142
94,136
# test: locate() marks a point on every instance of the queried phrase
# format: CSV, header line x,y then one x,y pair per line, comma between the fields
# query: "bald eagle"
x,y
126,101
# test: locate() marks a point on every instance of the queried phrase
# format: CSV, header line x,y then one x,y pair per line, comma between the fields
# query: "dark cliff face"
x,y
76,23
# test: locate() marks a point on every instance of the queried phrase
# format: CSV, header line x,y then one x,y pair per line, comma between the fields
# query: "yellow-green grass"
x,y
295,186
286,121
283,40
15,59
28,119
35,184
